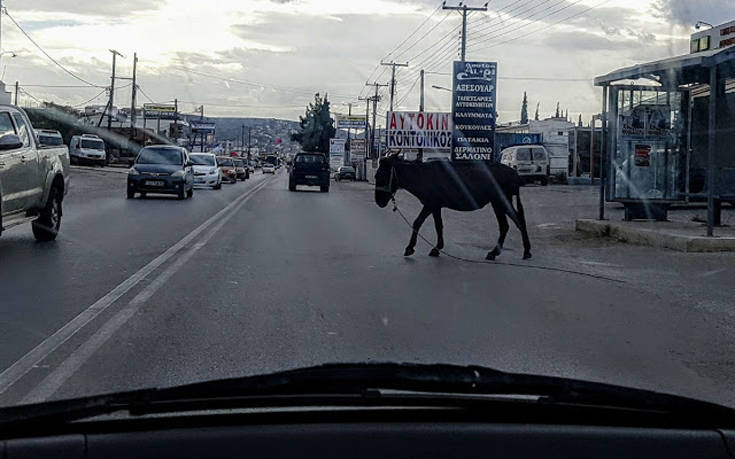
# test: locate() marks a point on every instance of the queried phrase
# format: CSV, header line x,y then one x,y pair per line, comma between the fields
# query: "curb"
x,y
113,170
654,237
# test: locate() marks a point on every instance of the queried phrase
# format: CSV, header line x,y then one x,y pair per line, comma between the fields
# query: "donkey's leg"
x,y
425,212
439,225
522,227
503,226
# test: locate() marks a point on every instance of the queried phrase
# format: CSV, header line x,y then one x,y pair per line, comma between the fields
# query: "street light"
x,y
442,88
699,25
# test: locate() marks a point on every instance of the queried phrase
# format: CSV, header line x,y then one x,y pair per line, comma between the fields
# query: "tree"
x,y
566,114
535,117
316,127
579,123
524,109
557,115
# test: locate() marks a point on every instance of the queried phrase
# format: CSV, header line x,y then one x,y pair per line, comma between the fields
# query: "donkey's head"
x,y
385,186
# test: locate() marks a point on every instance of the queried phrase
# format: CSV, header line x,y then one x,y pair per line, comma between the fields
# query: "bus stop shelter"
x,y
670,134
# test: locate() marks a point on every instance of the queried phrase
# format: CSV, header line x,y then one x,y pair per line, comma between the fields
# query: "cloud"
x,y
86,7
688,12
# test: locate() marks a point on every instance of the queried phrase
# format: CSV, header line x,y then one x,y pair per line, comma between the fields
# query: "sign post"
x,y
336,153
474,111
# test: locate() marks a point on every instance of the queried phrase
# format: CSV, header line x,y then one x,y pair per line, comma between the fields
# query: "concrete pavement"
x,y
289,279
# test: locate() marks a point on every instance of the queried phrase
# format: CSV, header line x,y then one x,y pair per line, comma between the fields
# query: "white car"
x,y
269,168
206,170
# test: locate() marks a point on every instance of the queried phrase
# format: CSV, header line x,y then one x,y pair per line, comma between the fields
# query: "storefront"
x,y
669,137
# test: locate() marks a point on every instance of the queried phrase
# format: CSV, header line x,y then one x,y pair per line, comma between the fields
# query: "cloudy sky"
x,y
267,57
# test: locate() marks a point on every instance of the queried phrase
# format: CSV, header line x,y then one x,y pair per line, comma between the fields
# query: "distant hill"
x,y
263,131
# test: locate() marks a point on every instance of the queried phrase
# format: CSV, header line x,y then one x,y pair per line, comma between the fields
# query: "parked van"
x,y
87,148
530,161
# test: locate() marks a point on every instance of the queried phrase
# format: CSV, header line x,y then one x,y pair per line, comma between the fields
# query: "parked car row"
x,y
169,169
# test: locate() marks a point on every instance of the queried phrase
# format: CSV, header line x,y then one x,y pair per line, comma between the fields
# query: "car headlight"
x,y
133,171
179,174
213,172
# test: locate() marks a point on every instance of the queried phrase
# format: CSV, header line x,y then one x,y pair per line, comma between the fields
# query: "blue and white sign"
x,y
474,110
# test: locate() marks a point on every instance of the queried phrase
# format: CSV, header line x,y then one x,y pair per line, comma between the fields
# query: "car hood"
x,y
158,168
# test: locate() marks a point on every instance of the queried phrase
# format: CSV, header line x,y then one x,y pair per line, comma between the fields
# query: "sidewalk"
x,y
676,235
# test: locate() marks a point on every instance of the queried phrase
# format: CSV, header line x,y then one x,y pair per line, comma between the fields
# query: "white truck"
x,y
33,178
87,149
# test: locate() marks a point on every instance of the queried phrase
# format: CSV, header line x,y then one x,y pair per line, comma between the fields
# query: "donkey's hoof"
x,y
490,256
434,252
408,252
527,256
494,252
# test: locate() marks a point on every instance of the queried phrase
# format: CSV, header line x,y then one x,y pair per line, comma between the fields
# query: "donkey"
x,y
457,186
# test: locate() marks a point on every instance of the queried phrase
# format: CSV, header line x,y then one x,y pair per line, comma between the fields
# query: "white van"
x,y
530,161
87,148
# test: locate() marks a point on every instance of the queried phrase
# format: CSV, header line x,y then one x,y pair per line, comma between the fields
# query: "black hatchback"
x,y
163,169
309,169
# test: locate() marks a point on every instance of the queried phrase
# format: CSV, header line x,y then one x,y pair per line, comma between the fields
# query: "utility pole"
x,y
112,88
176,119
242,139
393,66
421,101
133,92
16,89
374,100
249,157
464,9
201,119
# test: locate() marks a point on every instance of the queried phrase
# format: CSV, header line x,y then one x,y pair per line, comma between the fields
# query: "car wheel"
x,y
218,186
131,194
324,188
46,227
291,186
190,193
544,181
181,194
142,195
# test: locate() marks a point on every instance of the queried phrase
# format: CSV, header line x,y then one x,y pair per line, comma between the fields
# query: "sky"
x,y
266,58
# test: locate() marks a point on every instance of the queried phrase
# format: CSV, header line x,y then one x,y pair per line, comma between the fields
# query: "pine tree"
x,y
535,117
524,109
317,126
566,114
579,123
557,115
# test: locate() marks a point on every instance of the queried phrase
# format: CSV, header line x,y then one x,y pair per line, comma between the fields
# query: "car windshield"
x,y
50,140
202,160
93,144
537,186
171,156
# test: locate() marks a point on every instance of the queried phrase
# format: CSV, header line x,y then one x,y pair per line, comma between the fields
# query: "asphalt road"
x,y
254,278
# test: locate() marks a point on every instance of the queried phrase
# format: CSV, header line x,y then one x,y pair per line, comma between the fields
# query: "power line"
x,y
537,20
47,54
144,94
90,100
517,19
57,86
408,92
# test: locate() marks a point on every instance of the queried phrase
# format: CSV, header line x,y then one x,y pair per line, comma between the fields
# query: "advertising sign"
x,y
419,130
642,155
646,122
358,146
473,110
336,146
202,127
351,122
159,111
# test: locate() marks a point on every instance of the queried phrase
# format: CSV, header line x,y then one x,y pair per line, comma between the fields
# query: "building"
x,y
716,37
554,134
5,96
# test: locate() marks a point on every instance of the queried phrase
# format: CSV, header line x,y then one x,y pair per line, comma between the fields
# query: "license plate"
x,y
155,183
313,177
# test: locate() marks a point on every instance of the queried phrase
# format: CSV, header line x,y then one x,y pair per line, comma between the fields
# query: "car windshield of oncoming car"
x,y
523,154
202,160
93,144
171,156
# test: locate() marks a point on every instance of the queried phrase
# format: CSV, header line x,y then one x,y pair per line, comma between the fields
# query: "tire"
x,y
182,194
46,227
142,195
544,181
218,186
131,194
190,193
291,186
324,188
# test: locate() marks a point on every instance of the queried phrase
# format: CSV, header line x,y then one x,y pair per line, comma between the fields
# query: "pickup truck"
x,y
33,178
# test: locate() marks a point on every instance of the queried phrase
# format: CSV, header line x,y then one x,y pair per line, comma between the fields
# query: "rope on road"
x,y
506,263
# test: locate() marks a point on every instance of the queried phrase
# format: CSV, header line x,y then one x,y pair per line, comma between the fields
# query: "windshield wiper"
x,y
364,384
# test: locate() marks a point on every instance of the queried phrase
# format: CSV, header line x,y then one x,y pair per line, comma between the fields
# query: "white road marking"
x,y
22,366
